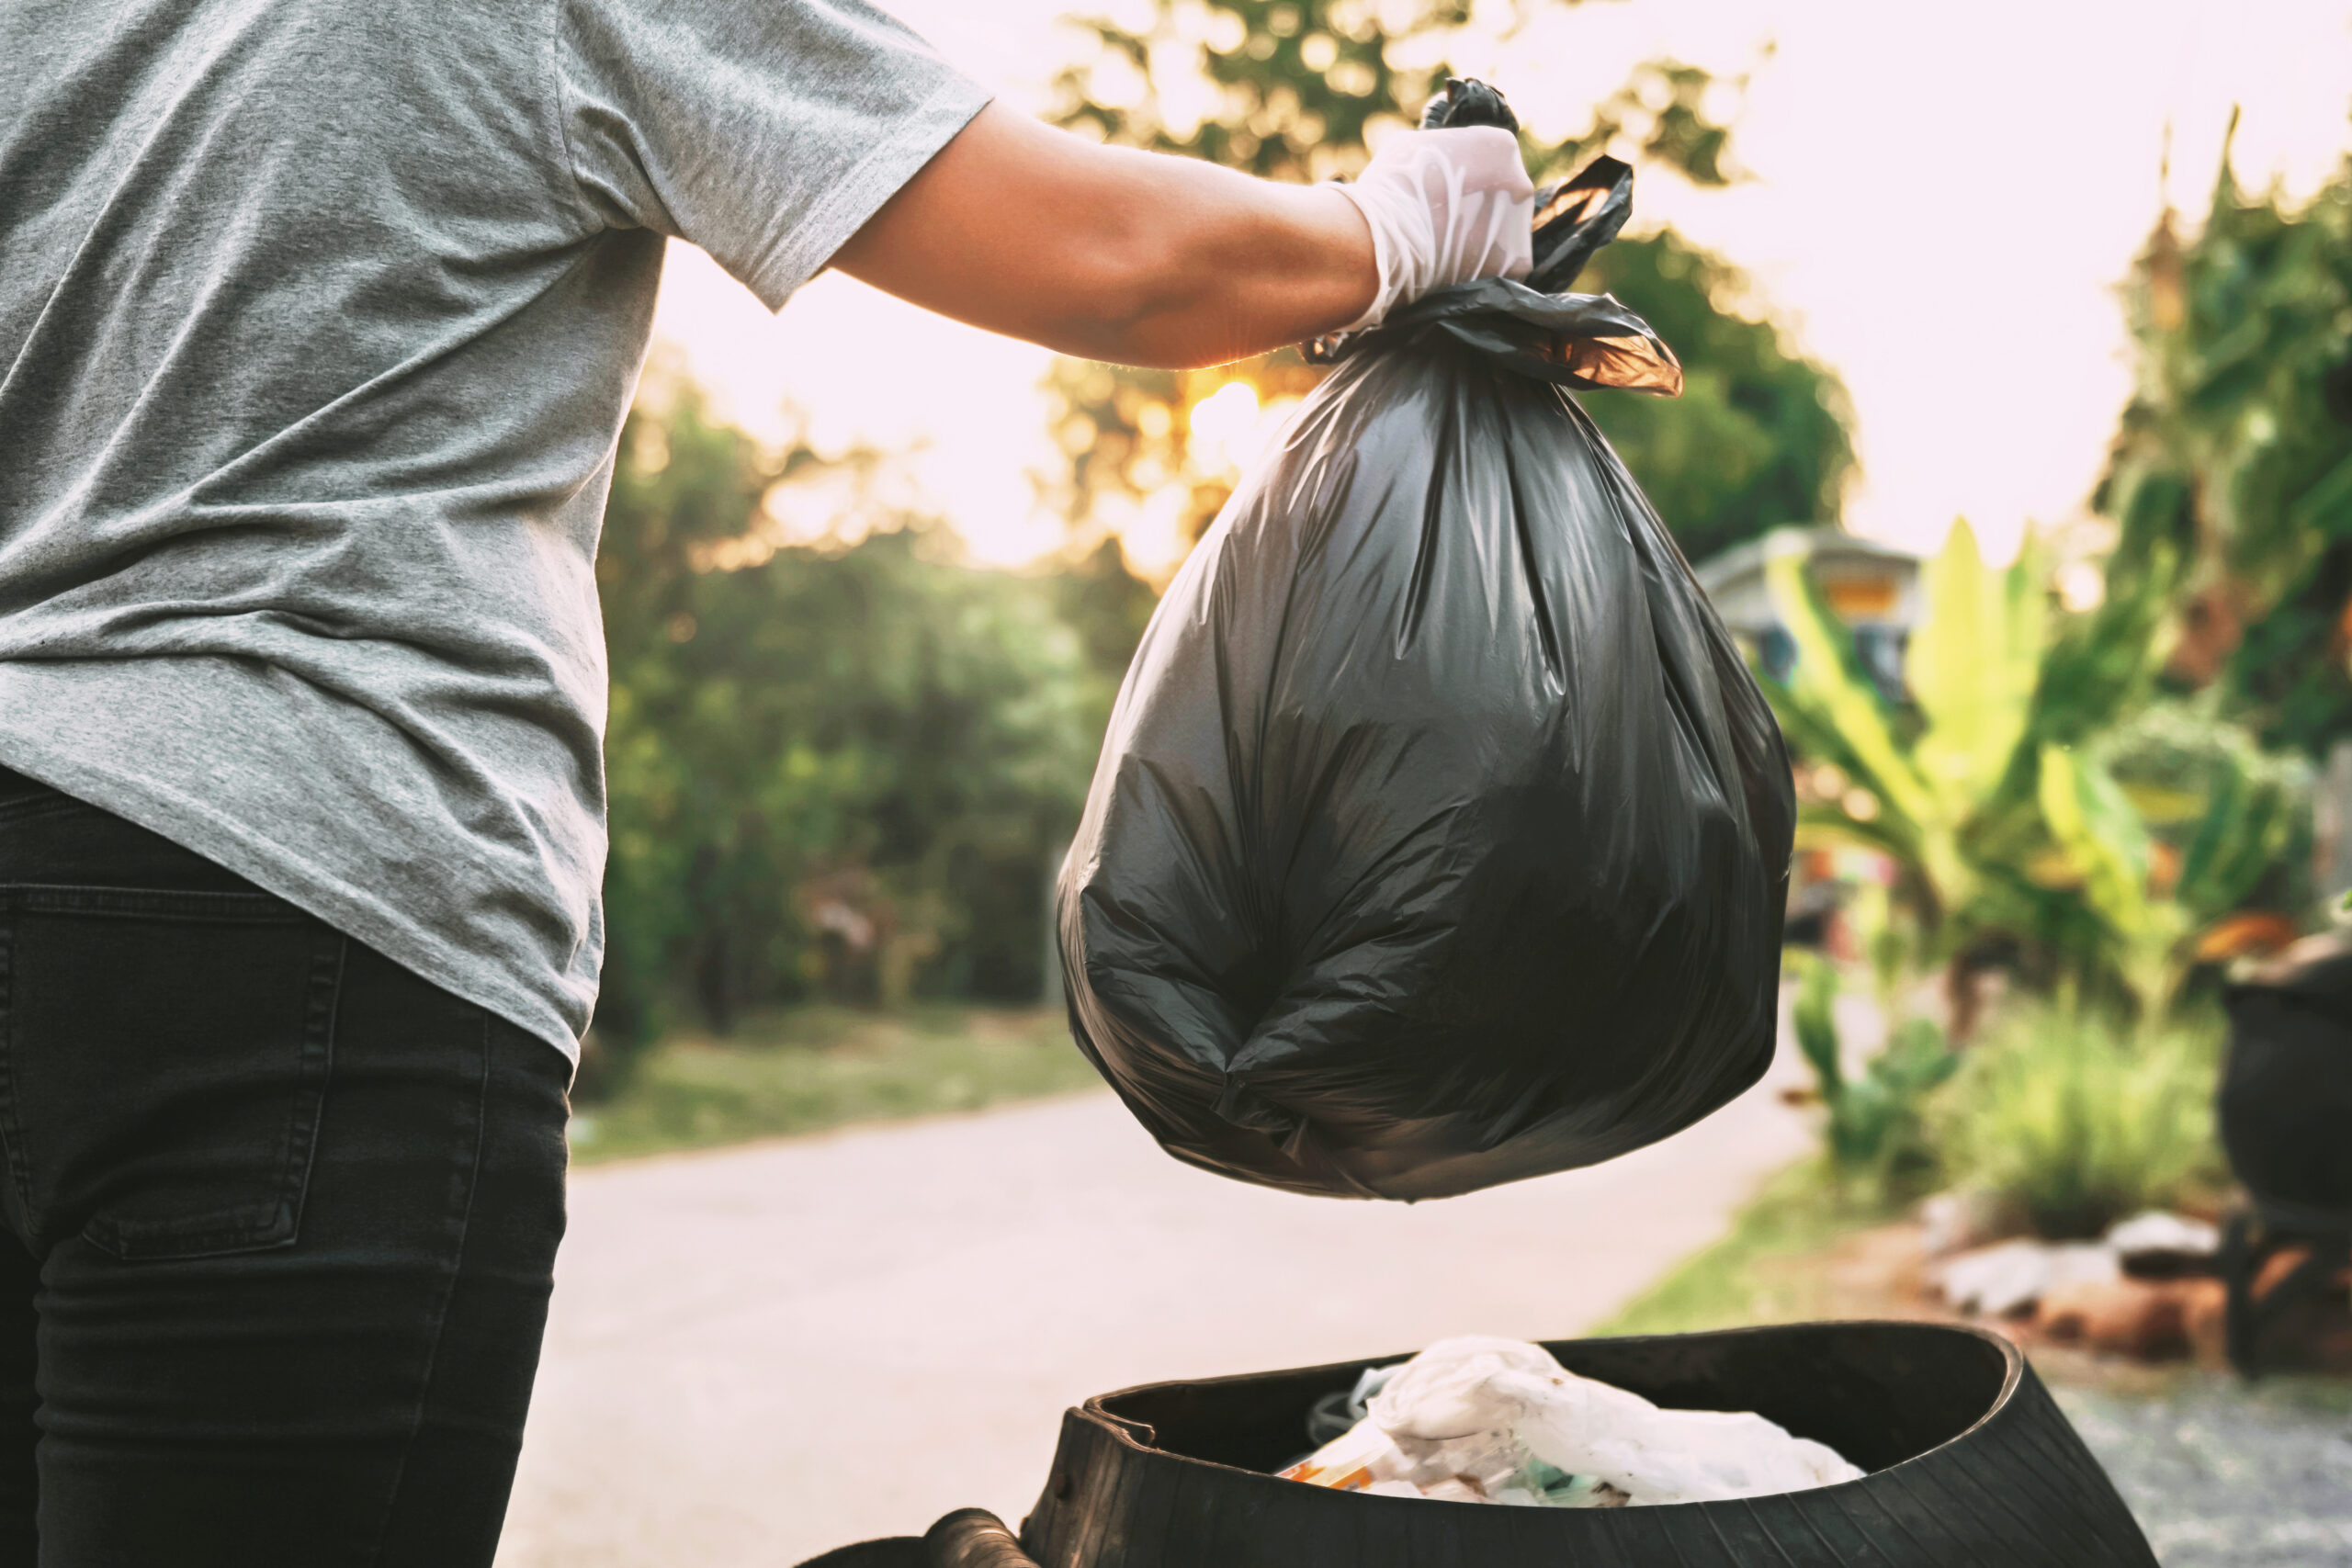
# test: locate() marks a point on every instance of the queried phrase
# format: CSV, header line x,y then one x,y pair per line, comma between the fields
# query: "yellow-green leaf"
x,y
2101,835
1971,667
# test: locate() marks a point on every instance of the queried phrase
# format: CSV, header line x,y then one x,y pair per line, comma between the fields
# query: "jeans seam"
x,y
441,1313
322,1008
10,1132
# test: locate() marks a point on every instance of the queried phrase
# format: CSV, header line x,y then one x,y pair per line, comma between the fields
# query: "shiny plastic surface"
x,y
1441,836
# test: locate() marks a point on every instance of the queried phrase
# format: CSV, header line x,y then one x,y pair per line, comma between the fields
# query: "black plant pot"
x,y
2285,1101
1970,1465
2286,1095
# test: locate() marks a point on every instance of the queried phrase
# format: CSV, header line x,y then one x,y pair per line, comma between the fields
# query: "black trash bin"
x,y
1969,1462
2285,1113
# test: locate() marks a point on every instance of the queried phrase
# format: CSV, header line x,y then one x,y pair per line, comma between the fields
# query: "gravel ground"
x,y
2226,1477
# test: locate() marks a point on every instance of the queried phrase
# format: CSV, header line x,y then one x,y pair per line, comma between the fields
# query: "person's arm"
x,y
1146,259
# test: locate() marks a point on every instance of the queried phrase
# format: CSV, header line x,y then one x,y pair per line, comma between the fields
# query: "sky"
x,y
1940,204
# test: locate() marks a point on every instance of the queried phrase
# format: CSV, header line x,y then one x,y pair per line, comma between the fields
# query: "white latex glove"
x,y
1445,207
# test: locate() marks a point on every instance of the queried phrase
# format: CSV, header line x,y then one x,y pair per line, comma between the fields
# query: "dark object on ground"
x,y
2288,1291
2285,1122
1969,1461
1441,837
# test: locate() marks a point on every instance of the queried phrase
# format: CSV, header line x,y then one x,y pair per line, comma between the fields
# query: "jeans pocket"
x,y
164,1061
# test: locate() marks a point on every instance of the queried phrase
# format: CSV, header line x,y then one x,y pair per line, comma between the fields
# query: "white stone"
x,y
2158,1232
2009,1277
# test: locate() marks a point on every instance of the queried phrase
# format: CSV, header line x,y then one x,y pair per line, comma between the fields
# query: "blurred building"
x,y
1873,588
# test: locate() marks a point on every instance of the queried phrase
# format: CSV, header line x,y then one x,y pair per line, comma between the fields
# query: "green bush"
x,y
2073,1122
1876,1129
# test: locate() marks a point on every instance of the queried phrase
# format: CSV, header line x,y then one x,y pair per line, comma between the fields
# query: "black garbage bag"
x,y
1441,836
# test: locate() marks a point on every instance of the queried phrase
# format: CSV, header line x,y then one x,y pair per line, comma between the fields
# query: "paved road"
x,y
761,1353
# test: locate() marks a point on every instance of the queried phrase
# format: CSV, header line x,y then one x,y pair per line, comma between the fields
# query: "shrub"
x,y
1876,1129
2073,1122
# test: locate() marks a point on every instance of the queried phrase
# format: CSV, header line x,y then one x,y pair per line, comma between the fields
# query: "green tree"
x,y
1760,436
2232,473
1293,91
831,769
1101,599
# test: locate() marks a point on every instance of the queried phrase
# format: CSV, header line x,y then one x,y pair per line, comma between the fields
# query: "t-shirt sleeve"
x,y
766,131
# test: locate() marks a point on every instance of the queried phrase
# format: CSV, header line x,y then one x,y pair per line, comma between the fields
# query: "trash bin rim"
x,y
1124,1430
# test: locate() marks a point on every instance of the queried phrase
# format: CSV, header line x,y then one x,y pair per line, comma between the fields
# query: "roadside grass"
x,y
1771,1267
806,1069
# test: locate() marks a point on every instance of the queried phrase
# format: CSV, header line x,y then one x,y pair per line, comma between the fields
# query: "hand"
x,y
1445,207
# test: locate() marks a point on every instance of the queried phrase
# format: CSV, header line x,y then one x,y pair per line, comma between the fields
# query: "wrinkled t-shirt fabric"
x,y
318,322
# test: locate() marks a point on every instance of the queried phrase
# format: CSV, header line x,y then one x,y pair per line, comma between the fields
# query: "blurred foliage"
x,y
1917,780
808,1068
1296,88
2086,799
1876,1129
1761,435
2175,820
2040,806
1108,606
837,773
1298,92
2232,475
2072,1123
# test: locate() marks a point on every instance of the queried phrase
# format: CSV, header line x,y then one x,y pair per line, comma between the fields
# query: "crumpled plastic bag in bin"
x,y
1483,1420
1440,835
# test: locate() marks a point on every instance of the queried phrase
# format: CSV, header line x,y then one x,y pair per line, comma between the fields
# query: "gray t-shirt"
x,y
318,321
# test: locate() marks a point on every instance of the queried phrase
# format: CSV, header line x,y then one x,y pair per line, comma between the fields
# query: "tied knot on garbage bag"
x,y
1537,328
1440,835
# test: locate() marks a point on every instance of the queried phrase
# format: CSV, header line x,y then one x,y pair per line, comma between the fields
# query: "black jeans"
x,y
284,1216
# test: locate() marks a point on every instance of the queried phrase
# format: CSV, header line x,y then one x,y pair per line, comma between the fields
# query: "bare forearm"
x,y
1233,266
1114,253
